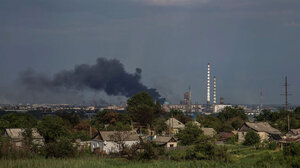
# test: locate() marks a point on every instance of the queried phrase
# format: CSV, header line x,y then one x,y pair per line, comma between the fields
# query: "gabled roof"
x,y
163,140
196,123
117,136
17,133
225,135
262,127
295,131
174,123
208,131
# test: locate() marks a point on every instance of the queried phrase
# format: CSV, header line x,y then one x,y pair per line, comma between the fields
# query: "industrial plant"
x,y
187,106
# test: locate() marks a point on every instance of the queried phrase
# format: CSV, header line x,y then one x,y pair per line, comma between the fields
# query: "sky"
x,y
249,44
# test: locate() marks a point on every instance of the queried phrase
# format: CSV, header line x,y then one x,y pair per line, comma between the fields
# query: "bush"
x,y
63,148
177,155
265,160
189,134
149,151
272,145
206,151
251,138
291,154
232,140
292,149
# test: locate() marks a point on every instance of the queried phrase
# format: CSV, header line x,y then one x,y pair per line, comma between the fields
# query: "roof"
x,y
196,123
17,133
225,135
163,139
263,127
174,123
295,131
208,131
119,135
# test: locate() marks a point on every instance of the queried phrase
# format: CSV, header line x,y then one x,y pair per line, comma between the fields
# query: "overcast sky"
x,y
250,44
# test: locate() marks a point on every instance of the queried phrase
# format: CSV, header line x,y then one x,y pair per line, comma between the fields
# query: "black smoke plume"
x,y
106,75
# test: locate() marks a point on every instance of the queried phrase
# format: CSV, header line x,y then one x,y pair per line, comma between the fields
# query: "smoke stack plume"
x,y
106,75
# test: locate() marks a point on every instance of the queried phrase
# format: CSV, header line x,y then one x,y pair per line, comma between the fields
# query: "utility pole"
x,y
286,102
260,100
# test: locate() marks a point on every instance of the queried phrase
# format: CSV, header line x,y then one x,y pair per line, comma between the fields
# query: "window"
x,y
171,145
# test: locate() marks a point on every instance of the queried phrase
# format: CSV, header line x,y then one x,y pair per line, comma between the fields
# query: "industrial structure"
x,y
215,90
208,89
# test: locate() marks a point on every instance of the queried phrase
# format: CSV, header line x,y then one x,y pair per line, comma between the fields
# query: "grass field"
x,y
243,157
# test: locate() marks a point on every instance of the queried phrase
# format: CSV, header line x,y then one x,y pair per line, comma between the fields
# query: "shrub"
x,y
149,151
189,134
272,145
208,151
232,140
251,138
292,149
176,155
291,154
63,148
265,160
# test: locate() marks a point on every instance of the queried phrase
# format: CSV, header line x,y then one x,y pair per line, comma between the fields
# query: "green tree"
x,y
160,125
179,115
229,112
52,128
17,120
71,118
60,149
189,134
210,122
142,108
251,138
265,115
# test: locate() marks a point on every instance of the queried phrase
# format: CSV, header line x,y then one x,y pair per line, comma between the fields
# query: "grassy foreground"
x,y
242,157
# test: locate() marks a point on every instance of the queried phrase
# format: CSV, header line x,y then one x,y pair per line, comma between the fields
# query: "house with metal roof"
x,y
264,130
16,136
166,141
113,141
174,125
208,131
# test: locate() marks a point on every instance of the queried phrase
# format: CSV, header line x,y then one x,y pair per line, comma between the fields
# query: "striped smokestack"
x,y
215,90
208,85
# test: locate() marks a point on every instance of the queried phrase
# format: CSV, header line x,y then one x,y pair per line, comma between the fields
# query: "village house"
x,y
82,145
292,133
174,125
263,129
166,141
16,136
113,141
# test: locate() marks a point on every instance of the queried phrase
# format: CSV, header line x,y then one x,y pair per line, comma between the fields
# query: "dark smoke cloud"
x,y
106,75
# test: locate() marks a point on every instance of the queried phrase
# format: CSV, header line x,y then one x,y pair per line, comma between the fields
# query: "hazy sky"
x,y
250,44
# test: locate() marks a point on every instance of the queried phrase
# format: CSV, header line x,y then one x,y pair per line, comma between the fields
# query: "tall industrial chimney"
x,y
215,90
208,87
